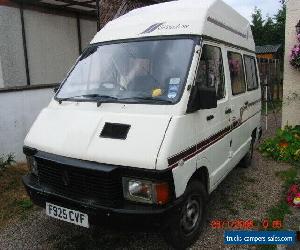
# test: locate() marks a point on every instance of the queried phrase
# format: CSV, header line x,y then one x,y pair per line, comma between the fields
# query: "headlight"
x,y
145,191
32,164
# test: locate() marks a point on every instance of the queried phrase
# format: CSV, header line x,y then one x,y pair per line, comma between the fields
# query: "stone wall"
x,y
291,85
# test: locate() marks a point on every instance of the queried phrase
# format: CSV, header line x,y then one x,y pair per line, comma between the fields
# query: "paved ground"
x,y
245,194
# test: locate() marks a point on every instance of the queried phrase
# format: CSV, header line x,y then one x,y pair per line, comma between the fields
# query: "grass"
x,y
15,203
289,176
279,211
6,162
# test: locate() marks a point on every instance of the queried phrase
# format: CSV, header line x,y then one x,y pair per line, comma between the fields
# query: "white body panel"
x,y
163,136
73,130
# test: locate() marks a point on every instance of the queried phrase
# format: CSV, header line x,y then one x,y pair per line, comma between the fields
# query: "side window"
x,y
211,72
251,73
237,74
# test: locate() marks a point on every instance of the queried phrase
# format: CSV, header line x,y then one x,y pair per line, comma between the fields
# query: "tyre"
x,y
246,162
186,224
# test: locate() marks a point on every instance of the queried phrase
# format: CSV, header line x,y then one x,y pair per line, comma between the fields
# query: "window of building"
x,y
237,74
251,73
211,72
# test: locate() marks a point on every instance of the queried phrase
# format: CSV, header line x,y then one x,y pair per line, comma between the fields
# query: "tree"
x,y
269,30
258,26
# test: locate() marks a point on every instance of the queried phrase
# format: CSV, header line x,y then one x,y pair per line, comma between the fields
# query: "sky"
x,y
246,7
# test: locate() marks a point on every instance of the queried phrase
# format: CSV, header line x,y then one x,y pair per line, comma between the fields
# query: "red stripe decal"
x,y
201,146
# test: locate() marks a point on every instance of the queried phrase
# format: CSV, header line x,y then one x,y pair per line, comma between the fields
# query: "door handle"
x,y
210,117
228,111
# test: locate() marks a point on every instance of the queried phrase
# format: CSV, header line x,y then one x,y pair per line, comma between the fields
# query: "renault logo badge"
x,y
65,178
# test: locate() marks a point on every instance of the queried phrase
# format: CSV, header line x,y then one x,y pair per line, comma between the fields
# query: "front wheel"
x,y
186,224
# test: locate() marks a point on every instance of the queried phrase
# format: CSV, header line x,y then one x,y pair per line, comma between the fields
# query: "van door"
x,y
214,124
238,96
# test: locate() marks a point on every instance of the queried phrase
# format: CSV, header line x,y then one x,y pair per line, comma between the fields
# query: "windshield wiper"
x,y
99,98
147,98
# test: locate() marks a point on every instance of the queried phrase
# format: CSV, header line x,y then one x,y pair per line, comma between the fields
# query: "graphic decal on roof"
x,y
163,26
152,28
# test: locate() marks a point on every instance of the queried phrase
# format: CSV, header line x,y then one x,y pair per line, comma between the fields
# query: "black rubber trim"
x,y
29,151
125,171
28,87
143,215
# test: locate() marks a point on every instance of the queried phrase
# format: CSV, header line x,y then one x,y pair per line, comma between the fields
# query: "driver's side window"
x,y
211,71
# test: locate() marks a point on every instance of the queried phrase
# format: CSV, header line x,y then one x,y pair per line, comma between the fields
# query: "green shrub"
x,y
285,146
6,161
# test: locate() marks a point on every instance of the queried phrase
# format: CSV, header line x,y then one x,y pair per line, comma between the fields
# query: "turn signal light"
x,y
162,193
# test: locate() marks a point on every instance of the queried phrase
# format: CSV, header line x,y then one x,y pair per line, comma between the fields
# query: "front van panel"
x,y
76,133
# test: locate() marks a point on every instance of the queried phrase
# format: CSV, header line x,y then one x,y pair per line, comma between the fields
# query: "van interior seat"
x,y
144,83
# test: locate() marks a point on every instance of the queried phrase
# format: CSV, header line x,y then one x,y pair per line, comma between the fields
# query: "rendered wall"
x,y
12,62
291,106
1,76
52,44
18,110
88,31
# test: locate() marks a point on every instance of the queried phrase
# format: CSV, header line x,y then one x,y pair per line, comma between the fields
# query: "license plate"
x,y
67,215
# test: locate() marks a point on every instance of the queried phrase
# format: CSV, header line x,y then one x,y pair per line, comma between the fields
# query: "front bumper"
x,y
126,215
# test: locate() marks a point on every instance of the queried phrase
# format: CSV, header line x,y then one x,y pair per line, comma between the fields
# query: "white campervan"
x,y
160,107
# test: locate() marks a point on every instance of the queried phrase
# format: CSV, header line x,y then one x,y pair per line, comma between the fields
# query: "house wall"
x,y
52,48
291,103
88,30
18,110
11,48
52,41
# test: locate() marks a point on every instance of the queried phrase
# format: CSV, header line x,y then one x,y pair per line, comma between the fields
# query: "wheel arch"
x,y
202,175
254,134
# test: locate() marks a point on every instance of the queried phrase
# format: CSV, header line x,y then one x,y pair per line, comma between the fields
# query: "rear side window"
x,y
237,75
251,73
211,72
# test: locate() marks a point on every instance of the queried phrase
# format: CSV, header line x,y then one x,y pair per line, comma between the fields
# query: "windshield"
x,y
142,71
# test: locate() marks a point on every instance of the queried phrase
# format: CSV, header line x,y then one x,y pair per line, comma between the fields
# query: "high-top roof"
x,y
212,18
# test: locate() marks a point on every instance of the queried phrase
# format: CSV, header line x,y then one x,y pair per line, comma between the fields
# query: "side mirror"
x,y
202,98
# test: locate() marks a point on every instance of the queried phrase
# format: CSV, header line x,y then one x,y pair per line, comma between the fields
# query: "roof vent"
x,y
115,131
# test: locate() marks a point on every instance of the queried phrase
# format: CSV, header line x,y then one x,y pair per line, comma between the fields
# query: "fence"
x,y
271,71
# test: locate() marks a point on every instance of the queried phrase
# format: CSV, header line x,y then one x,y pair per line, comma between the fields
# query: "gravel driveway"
x,y
244,194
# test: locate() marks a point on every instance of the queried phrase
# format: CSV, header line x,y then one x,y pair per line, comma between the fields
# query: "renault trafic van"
x,y
160,107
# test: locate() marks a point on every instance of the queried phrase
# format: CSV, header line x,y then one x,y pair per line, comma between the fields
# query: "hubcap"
x,y
191,213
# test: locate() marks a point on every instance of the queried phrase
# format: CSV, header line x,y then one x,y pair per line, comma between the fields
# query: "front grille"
x,y
87,185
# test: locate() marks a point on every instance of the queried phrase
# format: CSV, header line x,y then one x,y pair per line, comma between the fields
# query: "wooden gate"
x,y
271,72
